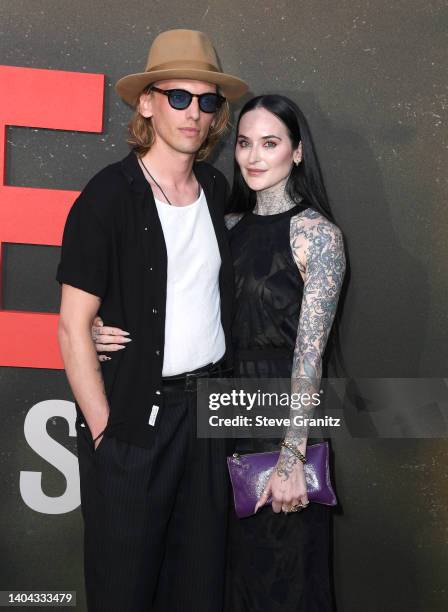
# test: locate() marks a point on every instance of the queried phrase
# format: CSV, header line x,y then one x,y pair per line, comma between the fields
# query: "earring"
x,y
297,162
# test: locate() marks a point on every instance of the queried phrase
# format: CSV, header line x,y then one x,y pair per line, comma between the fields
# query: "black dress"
x,y
275,561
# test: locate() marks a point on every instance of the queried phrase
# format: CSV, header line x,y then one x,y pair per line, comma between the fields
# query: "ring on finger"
x,y
297,508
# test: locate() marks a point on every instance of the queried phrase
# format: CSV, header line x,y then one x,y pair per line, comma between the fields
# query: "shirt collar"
x,y
133,172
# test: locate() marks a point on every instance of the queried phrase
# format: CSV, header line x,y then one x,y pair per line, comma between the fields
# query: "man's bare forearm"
x,y
84,375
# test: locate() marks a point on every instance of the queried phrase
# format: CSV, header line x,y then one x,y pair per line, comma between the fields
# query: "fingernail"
x,y
125,333
126,340
121,347
107,358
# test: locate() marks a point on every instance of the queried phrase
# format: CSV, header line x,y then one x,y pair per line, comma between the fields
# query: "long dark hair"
x,y
305,182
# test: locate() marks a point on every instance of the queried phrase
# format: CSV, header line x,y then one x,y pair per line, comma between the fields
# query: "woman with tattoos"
x,y
289,265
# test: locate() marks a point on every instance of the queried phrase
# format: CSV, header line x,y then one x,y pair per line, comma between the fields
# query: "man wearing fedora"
x,y
144,247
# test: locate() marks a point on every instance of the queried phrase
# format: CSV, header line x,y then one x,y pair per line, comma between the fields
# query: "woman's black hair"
x,y
305,182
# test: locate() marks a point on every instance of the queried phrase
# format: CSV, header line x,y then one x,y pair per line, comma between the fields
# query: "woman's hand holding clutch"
x,y
286,485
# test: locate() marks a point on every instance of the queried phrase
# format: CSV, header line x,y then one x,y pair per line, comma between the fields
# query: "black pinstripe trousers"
x,y
155,518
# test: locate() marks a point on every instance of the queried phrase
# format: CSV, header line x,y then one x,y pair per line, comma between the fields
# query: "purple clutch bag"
x,y
250,473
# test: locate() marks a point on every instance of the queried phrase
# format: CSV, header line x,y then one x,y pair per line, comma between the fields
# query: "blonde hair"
x,y
141,132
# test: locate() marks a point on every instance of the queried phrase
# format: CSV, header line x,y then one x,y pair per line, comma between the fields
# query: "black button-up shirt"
x,y
113,247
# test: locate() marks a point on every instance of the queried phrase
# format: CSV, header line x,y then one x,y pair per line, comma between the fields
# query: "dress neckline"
x,y
276,216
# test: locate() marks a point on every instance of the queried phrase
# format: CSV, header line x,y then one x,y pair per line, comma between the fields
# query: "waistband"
x,y
187,380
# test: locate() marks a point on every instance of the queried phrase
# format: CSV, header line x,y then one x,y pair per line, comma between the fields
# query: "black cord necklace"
x,y
161,190
154,180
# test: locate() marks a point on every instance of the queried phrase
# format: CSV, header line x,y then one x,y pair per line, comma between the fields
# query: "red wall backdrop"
x,y
60,101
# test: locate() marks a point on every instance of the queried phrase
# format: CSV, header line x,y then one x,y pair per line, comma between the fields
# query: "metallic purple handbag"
x,y
250,473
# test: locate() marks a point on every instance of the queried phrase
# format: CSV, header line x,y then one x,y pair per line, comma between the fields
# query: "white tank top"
x,y
194,335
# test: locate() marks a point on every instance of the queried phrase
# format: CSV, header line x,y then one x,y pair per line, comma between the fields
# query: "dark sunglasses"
x,y
180,99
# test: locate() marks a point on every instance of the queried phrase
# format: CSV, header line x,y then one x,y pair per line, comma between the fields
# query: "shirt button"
x,y
154,311
150,269
158,393
157,352
146,229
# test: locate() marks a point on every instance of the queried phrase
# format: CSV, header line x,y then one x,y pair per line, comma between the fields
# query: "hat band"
x,y
184,64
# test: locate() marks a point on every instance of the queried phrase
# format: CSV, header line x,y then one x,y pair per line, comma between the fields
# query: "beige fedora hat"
x,y
180,54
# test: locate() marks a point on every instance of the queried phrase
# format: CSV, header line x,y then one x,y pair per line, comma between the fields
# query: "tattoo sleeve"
x,y
318,249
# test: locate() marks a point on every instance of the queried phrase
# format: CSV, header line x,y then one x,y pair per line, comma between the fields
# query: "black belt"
x,y
188,379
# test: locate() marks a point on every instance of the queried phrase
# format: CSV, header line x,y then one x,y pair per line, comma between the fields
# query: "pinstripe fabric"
x,y
155,518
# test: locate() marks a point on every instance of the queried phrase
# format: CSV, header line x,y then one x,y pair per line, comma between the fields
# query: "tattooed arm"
x,y
318,250
78,309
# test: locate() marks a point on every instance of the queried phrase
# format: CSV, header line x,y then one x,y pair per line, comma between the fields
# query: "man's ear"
x,y
145,105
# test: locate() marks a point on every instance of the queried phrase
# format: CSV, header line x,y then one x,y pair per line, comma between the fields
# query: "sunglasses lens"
x,y
179,99
209,103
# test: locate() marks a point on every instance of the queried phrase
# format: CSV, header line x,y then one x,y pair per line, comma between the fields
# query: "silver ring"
x,y
296,508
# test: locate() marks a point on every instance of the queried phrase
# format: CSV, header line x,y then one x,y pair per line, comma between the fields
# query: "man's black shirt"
x,y
113,247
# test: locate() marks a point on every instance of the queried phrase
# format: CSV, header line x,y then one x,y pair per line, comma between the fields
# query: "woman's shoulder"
x,y
312,221
311,235
232,219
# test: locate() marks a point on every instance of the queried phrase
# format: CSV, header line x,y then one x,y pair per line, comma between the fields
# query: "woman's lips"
x,y
253,172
